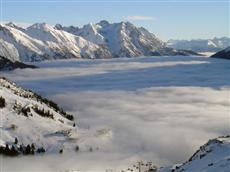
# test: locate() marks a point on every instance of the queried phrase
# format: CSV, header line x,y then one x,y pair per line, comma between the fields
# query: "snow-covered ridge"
x,y
122,39
27,118
41,41
201,45
211,157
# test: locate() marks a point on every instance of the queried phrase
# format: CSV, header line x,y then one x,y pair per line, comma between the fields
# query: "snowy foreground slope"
x,y
214,156
158,109
32,120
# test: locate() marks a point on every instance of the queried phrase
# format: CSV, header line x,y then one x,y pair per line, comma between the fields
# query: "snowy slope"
x,y
8,50
201,45
214,156
51,132
224,54
41,41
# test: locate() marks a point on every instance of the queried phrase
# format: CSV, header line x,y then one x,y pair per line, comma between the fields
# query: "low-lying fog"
x,y
160,109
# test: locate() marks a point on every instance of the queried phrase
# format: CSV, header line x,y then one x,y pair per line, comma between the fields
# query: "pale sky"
x,y
168,19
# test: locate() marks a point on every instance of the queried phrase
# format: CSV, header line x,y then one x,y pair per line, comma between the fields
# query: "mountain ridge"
x,y
200,45
41,41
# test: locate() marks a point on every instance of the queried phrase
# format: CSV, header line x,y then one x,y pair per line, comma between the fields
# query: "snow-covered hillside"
x,y
201,45
223,54
27,118
41,41
8,51
214,156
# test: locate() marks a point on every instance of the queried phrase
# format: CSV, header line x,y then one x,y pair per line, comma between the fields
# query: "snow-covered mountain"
x,y
41,42
123,39
224,54
201,45
102,40
29,119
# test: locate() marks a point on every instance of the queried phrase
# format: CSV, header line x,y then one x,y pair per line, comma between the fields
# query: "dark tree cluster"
x,y
66,115
9,151
16,149
55,107
26,111
22,110
2,102
140,166
43,113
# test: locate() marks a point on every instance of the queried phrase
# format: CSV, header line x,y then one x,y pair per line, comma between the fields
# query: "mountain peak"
x,y
11,24
58,26
104,23
42,26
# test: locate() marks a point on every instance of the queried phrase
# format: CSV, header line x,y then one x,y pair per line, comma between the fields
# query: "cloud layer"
x,y
160,109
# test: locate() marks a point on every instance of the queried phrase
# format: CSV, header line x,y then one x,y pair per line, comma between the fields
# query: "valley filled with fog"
x,y
158,109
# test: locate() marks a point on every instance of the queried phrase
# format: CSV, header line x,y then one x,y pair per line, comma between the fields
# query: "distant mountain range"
x,y
41,41
201,45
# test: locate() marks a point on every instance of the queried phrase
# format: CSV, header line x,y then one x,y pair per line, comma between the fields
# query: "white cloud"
x,y
140,18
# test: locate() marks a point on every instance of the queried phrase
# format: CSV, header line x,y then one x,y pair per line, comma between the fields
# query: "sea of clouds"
x,y
160,109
